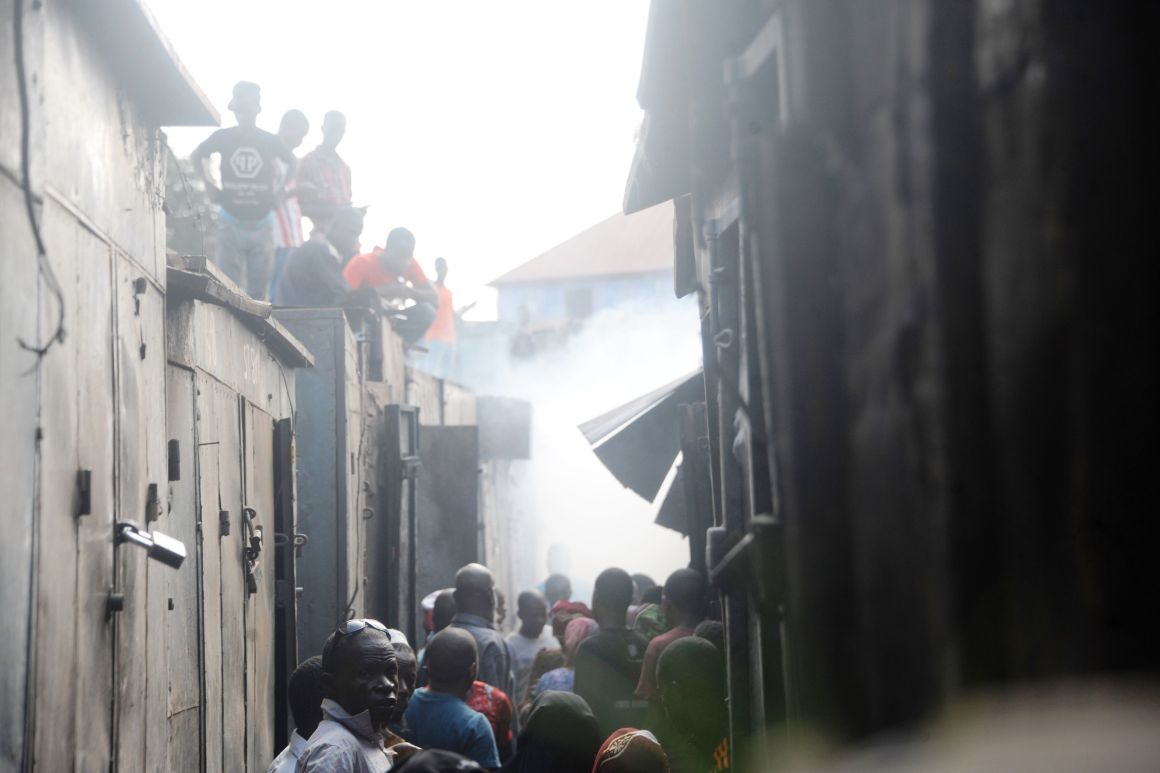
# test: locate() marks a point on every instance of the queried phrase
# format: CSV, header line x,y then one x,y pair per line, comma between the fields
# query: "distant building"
x,y
621,261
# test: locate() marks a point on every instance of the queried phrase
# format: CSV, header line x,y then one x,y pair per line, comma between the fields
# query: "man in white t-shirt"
x,y
532,610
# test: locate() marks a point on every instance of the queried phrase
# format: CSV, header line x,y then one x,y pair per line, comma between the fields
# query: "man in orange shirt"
x,y
441,337
394,273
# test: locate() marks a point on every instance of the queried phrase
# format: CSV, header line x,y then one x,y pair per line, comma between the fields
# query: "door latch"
x,y
158,546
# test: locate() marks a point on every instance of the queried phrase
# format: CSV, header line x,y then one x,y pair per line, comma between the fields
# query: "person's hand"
x,y
404,750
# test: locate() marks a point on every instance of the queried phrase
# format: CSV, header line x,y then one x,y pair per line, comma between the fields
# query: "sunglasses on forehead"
x,y
356,625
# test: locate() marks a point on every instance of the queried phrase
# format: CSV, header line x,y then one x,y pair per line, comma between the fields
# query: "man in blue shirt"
x,y
438,717
475,602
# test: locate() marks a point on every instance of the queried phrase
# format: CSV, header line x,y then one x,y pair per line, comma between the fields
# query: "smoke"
x,y
564,494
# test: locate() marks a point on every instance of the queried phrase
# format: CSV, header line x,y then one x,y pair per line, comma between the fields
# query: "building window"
x,y
578,302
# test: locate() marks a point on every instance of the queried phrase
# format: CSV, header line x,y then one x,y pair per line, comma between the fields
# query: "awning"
x,y
640,443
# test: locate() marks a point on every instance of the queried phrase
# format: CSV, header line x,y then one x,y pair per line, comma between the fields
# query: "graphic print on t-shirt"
x,y
246,162
247,169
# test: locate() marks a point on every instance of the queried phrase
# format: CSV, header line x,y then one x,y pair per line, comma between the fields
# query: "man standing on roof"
x,y
393,272
324,181
245,243
441,338
287,214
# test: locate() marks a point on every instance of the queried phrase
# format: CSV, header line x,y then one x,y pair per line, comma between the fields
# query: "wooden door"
x,y
183,618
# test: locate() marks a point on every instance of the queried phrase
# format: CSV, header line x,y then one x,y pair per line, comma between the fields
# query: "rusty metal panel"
x,y
324,462
209,459
259,480
182,622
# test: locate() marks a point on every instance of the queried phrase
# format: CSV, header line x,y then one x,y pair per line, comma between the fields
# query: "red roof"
x,y
640,243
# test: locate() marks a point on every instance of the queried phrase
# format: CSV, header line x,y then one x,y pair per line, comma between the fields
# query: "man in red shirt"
x,y
394,273
683,602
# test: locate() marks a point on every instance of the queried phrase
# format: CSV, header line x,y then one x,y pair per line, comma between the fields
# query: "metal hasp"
x,y
158,546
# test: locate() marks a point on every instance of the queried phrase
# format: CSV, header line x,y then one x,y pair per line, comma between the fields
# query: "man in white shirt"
x,y
304,694
532,610
359,677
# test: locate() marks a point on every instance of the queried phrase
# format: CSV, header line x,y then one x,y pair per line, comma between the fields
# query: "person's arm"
x,y
425,293
648,673
198,158
291,161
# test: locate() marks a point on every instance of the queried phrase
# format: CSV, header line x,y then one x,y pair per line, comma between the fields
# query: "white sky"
x,y
493,130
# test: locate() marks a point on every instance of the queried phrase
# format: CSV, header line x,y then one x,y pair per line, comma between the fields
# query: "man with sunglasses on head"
x,y
359,677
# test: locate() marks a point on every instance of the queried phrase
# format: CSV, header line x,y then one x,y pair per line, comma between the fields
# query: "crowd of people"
x,y
264,194
634,682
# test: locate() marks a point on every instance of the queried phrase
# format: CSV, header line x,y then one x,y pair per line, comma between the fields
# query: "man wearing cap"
x,y
245,242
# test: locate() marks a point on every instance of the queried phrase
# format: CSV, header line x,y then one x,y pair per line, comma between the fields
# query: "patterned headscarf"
x,y
577,631
631,751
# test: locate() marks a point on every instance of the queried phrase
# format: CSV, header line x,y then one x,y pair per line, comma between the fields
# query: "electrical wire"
x,y
42,262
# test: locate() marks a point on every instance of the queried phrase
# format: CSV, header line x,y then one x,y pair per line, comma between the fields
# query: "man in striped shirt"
x,y
287,214
324,178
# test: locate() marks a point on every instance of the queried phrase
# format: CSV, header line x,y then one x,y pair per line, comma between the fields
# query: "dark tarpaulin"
x,y
639,442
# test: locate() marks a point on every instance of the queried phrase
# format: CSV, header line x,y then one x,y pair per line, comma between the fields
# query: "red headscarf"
x,y
631,751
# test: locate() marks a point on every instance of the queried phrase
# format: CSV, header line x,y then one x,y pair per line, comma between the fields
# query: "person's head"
x,y
304,694
652,595
398,252
408,674
333,129
532,610
440,270
344,229
359,670
577,630
246,103
444,609
561,734
684,598
629,750
564,612
475,591
640,584
500,608
691,685
610,598
293,128
451,662
435,761
713,632
557,588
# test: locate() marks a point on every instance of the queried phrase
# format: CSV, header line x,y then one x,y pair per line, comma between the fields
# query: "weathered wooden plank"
x,y
133,398
17,453
233,586
153,371
55,638
93,336
182,621
260,615
184,750
210,503
351,466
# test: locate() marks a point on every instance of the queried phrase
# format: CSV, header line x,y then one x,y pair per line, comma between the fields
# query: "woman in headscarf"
x,y
562,678
629,750
560,736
